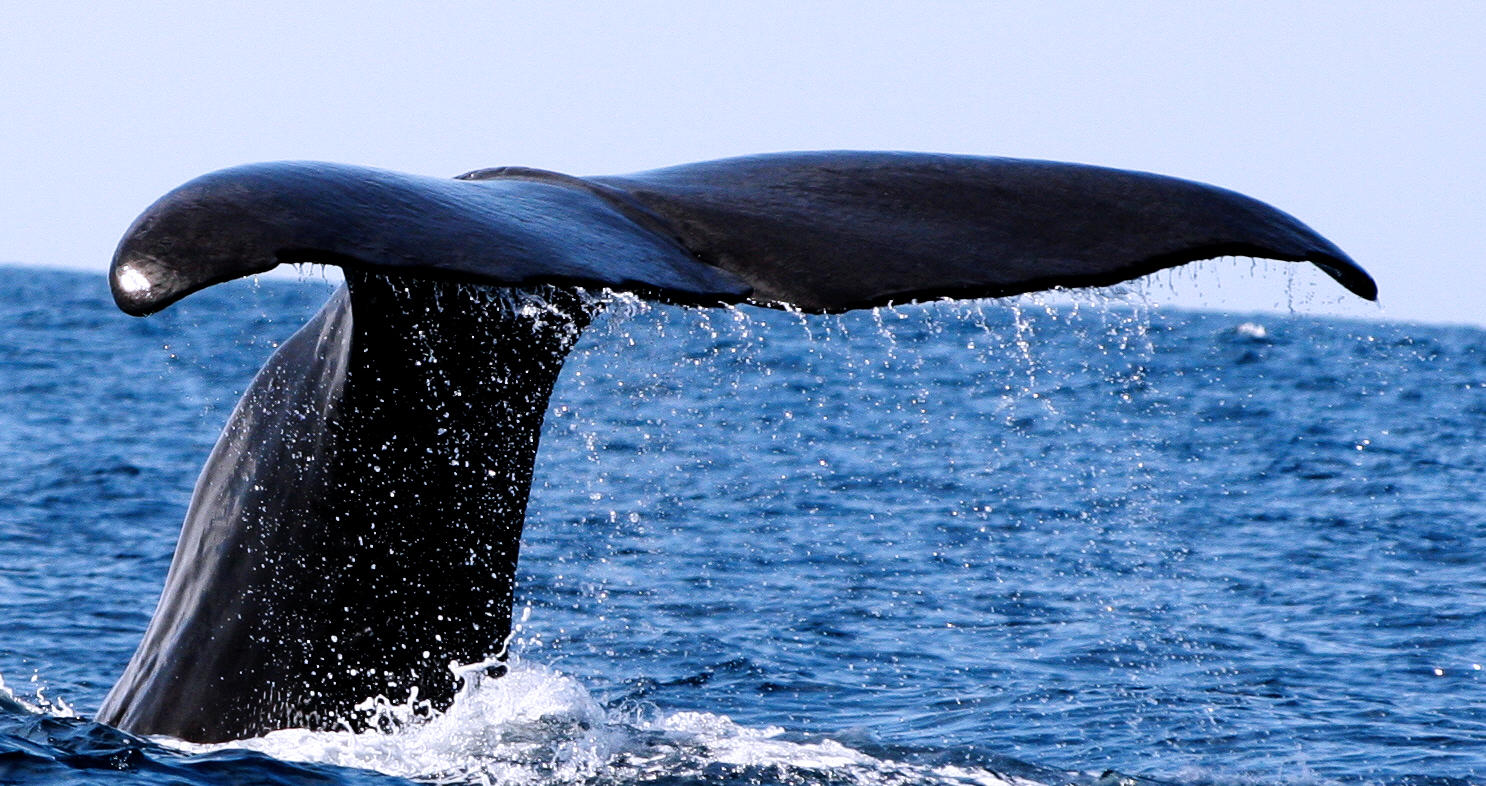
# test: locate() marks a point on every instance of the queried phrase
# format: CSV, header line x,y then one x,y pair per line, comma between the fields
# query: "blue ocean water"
x,y
956,543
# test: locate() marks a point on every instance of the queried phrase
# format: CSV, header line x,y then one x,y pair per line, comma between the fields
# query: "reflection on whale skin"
x,y
356,528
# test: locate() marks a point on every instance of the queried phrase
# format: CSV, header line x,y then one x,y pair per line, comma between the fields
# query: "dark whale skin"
x,y
356,528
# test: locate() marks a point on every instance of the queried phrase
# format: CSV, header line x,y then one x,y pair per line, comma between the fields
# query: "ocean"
x,y
1030,541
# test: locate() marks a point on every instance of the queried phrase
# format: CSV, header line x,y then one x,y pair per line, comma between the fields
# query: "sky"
x,y
1365,120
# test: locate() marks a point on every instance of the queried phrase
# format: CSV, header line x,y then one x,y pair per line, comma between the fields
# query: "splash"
x,y
1251,330
537,725
39,703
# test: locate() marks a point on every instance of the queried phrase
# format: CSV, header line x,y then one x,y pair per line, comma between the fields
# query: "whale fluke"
x,y
356,528
843,230
816,231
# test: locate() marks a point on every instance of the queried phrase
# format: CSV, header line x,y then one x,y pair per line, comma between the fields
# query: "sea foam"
x,y
537,725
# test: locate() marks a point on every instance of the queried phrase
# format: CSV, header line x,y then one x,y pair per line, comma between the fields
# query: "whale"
x,y
355,531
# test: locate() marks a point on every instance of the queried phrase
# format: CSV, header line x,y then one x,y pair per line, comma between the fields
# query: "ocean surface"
x,y
962,543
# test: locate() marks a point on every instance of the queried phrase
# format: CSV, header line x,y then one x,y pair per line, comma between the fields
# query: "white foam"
x,y
1251,330
40,704
536,725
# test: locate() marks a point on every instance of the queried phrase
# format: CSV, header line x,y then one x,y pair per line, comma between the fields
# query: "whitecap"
x,y
1251,330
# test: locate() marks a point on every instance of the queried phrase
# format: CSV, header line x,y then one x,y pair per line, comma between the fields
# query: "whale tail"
x,y
356,527
815,231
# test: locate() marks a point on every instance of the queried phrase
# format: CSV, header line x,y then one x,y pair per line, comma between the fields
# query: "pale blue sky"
x,y
1366,120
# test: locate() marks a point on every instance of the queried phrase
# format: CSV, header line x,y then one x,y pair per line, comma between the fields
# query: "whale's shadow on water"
x,y
398,429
